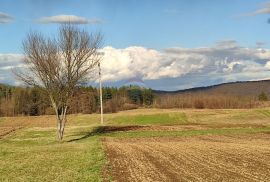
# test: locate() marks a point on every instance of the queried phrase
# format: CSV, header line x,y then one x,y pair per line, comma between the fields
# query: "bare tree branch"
x,y
59,65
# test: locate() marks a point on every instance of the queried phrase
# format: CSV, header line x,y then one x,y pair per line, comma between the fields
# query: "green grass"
x,y
230,116
33,155
86,120
153,119
220,131
264,112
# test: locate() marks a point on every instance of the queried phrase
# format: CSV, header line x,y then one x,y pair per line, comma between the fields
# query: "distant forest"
x,y
16,101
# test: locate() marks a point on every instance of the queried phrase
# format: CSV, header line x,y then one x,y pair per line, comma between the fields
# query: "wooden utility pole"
x,y
100,95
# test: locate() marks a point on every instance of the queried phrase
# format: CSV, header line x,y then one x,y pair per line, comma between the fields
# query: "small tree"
x,y
262,97
58,65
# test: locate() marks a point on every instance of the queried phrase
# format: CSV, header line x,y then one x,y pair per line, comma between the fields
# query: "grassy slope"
x,y
32,153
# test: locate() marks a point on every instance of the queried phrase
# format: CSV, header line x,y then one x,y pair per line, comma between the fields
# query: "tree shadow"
x,y
106,129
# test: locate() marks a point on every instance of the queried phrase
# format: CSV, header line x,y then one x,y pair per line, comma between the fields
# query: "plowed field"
x,y
196,158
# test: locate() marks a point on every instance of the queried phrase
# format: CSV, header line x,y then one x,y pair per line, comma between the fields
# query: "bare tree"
x,y
58,65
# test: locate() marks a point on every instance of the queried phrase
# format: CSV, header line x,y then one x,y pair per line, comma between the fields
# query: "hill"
x,y
243,88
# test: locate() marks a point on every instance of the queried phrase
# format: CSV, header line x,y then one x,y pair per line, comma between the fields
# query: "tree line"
x,y
31,101
211,101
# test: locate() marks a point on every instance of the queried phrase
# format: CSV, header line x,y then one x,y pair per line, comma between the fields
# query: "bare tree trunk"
x,y
61,122
58,127
61,118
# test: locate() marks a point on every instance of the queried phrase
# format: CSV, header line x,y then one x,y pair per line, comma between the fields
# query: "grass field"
x,y
139,145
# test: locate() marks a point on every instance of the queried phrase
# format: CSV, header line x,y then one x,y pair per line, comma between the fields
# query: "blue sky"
x,y
149,23
154,25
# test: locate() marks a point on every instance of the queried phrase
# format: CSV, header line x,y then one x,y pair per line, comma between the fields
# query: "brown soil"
x,y
29,121
200,158
10,125
5,131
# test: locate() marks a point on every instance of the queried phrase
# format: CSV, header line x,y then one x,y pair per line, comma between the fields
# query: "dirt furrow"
x,y
209,158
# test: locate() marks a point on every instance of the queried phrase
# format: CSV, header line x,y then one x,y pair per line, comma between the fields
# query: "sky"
x,y
166,45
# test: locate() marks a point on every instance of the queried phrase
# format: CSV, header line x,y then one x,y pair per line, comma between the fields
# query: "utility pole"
x,y
100,94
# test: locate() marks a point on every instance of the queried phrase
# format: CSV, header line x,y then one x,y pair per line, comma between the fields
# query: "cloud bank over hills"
x,y
172,68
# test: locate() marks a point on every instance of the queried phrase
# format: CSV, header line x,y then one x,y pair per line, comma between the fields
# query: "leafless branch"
x,y
58,65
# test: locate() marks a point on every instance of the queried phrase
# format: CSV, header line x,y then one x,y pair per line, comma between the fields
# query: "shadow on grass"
x,y
106,129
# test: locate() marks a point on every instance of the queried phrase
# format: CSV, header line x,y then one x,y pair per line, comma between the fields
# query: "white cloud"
x,y
5,18
227,58
173,68
7,63
267,65
67,19
10,60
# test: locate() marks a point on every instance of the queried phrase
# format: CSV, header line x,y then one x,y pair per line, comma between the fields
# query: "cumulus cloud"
x,y
10,60
224,62
177,67
5,18
7,63
67,19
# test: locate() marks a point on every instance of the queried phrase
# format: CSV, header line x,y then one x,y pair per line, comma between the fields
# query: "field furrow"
x,y
198,158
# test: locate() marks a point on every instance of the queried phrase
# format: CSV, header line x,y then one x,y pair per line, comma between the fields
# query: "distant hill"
x,y
247,88
241,88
